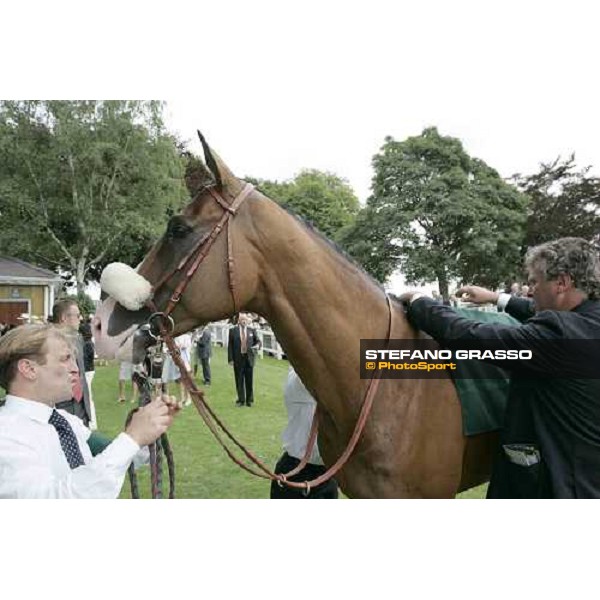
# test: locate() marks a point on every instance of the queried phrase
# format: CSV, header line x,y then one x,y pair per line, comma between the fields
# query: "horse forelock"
x,y
197,178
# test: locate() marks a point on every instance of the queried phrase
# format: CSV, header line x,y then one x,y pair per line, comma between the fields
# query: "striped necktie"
x,y
244,345
68,441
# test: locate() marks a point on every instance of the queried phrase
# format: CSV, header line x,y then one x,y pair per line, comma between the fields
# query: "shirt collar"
x,y
29,408
585,305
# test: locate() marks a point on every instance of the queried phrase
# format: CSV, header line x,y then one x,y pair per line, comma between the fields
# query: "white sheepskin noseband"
x,y
126,286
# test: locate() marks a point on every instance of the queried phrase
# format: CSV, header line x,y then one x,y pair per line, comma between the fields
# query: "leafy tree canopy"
x,y
439,215
324,199
564,202
83,183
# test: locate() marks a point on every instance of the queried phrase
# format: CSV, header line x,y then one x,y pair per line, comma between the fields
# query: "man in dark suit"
x,y
550,445
243,343
66,313
203,353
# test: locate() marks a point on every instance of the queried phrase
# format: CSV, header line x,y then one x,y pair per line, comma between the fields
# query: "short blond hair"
x,y
25,341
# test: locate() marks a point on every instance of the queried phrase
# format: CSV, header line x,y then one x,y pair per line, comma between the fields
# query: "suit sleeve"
x,y
521,309
230,346
257,341
541,334
206,340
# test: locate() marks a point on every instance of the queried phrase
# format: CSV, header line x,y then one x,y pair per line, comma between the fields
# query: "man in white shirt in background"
x,y
44,451
300,406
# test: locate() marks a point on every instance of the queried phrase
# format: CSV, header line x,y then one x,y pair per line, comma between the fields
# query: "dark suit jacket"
x,y
81,365
234,347
203,345
89,355
558,415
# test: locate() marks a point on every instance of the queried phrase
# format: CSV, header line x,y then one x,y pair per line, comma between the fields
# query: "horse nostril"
x,y
96,325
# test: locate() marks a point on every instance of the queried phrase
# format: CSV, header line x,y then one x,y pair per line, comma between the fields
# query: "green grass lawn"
x,y
474,493
202,468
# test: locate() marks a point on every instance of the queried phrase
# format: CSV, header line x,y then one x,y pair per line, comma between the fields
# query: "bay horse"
x,y
319,305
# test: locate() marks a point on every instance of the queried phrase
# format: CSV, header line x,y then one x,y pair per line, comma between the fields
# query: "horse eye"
x,y
177,228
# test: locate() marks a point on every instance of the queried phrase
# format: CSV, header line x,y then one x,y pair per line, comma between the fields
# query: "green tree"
x,y
564,202
87,306
439,215
368,240
324,199
83,183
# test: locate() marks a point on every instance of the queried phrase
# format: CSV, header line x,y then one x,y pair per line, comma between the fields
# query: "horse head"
x,y
202,235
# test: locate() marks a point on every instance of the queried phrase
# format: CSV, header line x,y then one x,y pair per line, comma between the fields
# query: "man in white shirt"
x,y
300,406
44,451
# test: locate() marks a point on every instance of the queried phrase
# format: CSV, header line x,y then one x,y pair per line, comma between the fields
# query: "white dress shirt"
x,y
300,407
33,464
503,301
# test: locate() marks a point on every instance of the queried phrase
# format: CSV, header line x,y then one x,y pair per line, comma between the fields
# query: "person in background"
x,y
66,313
203,354
171,370
126,374
243,343
300,406
89,357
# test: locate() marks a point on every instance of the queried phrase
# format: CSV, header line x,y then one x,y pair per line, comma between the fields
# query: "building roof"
x,y
13,269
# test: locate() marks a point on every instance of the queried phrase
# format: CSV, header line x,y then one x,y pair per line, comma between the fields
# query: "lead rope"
x,y
156,450
214,423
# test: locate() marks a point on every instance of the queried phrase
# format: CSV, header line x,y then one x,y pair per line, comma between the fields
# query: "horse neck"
x,y
319,305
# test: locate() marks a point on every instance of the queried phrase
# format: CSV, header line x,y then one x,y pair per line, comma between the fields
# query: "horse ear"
x,y
210,161
220,171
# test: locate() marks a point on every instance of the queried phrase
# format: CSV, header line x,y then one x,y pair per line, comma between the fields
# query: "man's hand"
x,y
151,421
406,297
477,295
172,403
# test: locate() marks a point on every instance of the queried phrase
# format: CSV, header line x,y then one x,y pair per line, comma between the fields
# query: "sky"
x,y
321,89
280,86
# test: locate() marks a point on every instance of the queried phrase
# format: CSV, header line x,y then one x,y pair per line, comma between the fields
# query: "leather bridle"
x,y
162,325
189,264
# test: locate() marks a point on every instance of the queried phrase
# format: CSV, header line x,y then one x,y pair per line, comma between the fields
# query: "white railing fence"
x,y
219,332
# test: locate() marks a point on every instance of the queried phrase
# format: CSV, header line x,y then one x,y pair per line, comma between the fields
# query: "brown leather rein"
x,y
164,322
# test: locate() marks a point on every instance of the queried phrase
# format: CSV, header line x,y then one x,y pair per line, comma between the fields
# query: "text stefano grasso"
x,y
439,354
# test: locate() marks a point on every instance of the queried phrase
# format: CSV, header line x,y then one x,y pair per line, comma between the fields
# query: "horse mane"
x,y
198,177
314,231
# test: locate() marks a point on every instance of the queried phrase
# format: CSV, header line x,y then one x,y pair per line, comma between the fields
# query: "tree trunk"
x,y
80,275
443,285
